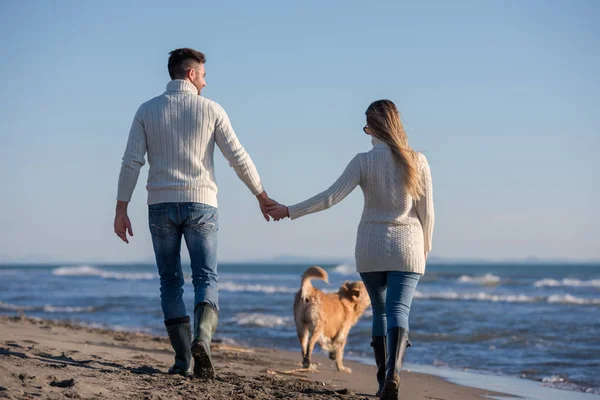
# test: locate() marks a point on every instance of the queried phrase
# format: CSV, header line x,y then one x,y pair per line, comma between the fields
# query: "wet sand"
x,y
42,359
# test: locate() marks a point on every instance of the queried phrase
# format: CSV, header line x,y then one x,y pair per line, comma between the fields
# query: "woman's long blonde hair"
x,y
383,119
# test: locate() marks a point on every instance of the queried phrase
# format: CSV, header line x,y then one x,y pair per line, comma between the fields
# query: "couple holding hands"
x,y
178,130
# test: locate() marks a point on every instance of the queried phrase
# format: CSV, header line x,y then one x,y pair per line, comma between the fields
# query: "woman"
x,y
394,234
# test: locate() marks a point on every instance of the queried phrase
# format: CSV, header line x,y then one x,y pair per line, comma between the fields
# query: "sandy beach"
x,y
42,359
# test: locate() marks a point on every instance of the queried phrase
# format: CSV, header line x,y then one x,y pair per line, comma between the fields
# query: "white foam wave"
x,y
262,320
46,308
480,296
507,298
55,309
15,307
570,299
553,379
235,287
567,282
85,270
559,382
344,269
485,280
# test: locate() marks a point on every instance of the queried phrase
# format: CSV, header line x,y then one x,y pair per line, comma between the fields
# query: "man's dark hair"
x,y
180,60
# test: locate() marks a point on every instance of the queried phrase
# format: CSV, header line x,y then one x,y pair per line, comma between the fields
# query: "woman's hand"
x,y
278,211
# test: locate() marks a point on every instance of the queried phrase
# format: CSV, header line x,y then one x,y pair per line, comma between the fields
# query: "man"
x,y
178,130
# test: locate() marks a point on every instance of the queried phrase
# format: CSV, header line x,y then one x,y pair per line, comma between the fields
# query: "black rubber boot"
x,y
397,339
379,349
206,318
180,335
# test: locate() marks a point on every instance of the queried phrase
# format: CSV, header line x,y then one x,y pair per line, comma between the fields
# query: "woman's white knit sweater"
x,y
395,230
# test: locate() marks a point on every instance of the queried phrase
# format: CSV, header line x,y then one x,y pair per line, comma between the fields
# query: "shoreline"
x,y
56,359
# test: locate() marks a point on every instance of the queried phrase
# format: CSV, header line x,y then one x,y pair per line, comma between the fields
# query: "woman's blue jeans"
x,y
198,224
391,294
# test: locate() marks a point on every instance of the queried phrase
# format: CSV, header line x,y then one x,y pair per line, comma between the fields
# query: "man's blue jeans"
x,y
198,224
391,294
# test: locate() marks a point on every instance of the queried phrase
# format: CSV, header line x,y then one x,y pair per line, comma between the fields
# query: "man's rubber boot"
x,y
206,318
180,335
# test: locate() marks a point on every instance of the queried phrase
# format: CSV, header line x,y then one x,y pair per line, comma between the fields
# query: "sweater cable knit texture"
x,y
395,230
178,130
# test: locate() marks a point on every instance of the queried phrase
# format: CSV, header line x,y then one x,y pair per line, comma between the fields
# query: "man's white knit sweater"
x,y
178,130
395,230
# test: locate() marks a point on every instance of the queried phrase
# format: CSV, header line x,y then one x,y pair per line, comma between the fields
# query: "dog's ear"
x,y
350,290
354,293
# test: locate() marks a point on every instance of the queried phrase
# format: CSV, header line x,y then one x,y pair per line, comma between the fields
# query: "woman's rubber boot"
x,y
378,344
180,335
397,340
206,318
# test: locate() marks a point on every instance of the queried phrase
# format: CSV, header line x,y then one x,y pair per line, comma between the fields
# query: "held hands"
x,y
278,211
269,207
264,201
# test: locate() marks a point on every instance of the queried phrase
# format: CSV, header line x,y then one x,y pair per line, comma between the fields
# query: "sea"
x,y
537,322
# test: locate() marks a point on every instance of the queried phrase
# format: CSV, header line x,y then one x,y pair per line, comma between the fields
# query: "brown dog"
x,y
327,318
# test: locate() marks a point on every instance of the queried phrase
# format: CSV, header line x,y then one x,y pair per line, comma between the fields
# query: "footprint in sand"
x,y
144,357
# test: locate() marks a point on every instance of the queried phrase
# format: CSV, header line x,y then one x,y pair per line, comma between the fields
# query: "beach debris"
x,y
145,370
63,384
234,349
292,372
23,377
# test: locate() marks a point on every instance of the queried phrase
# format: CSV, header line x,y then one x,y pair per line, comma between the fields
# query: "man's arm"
x,y
239,159
133,160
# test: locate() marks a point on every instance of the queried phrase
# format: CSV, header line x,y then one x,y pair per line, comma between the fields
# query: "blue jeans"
x,y
198,224
391,294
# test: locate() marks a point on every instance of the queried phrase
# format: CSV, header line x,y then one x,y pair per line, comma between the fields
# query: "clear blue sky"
x,y
502,96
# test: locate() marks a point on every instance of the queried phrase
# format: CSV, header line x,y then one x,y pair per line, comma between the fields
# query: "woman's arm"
x,y
424,205
345,184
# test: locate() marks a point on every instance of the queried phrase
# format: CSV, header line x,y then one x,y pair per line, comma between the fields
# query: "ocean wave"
x,y
261,320
570,299
258,288
85,270
567,282
560,382
485,280
46,308
259,276
344,269
507,298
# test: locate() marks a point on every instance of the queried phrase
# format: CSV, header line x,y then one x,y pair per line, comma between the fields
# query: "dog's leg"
x,y
303,338
339,357
316,334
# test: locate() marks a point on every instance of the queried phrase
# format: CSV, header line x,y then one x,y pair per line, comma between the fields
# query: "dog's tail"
x,y
307,276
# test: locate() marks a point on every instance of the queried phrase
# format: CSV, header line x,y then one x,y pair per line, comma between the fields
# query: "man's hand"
x,y
263,202
122,223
